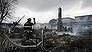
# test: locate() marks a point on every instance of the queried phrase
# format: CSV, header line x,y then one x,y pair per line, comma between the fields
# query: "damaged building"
x,y
83,24
67,23
79,25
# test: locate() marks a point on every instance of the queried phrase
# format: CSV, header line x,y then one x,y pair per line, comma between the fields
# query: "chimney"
x,y
59,23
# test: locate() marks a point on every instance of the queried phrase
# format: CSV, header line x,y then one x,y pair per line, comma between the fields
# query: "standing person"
x,y
28,28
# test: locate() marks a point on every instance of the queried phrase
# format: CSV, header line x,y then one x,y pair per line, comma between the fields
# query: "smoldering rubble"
x,y
69,43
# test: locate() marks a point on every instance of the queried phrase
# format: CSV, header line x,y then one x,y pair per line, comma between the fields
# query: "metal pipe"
x,y
42,38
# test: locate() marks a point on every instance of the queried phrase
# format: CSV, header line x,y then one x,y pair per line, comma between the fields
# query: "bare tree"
x,y
6,9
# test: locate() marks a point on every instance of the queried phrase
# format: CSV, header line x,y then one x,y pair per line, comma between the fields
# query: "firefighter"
x,y
28,29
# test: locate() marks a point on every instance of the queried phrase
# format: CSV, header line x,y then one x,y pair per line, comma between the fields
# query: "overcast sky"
x,y
45,10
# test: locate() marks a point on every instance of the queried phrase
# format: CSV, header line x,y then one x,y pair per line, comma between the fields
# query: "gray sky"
x,y
45,10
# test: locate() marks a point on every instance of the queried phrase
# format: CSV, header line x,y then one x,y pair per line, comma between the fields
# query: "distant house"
x,y
82,23
9,26
37,26
6,25
83,18
67,22
42,25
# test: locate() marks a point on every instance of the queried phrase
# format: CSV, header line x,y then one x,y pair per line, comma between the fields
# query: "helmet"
x,y
29,19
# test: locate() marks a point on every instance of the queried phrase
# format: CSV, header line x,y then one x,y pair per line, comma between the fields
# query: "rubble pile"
x,y
71,43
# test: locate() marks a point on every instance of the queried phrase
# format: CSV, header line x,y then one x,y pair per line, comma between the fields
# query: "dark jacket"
x,y
28,26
